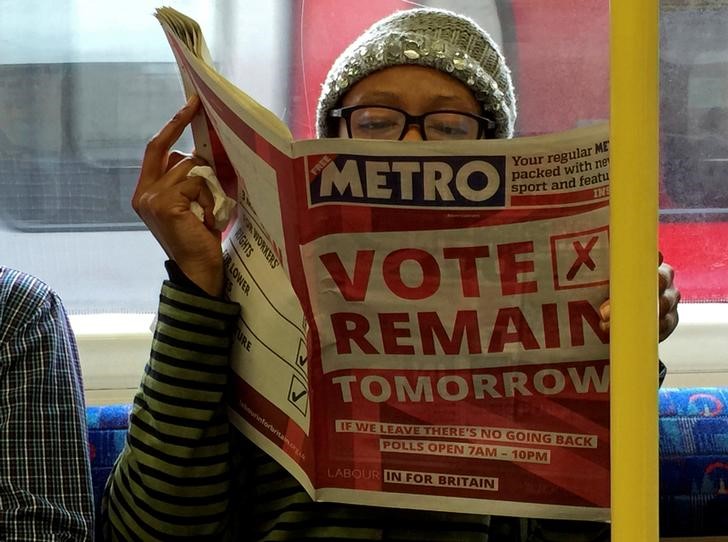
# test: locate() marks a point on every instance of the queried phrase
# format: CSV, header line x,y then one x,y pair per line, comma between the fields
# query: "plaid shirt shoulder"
x,y
45,481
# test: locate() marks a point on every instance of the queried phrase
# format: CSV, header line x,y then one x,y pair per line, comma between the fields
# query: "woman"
x,y
418,74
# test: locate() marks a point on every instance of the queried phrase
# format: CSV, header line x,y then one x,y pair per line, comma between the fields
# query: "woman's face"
x,y
415,89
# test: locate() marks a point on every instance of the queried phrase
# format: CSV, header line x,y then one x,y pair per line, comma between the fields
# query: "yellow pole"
x,y
634,114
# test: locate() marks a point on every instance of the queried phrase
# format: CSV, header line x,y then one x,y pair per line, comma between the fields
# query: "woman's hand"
x,y
163,197
669,297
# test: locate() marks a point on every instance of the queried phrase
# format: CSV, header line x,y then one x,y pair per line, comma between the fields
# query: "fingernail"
x,y
194,99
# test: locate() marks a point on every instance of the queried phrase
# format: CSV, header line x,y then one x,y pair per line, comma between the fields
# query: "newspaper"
x,y
420,322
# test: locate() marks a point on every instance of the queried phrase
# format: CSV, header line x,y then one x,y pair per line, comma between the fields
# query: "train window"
x,y
694,195
83,85
695,112
694,145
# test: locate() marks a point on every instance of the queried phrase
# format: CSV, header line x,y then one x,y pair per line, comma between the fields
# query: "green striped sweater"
x,y
185,475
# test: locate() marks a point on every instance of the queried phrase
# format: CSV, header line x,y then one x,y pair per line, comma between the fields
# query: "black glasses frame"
x,y
486,126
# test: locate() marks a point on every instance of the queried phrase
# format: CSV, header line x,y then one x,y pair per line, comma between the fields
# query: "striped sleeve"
x,y
172,479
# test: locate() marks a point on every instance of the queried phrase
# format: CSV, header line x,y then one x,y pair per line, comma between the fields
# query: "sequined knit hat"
x,y
429,37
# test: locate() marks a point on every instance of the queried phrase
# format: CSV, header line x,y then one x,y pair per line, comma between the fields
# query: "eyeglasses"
x,y
380,122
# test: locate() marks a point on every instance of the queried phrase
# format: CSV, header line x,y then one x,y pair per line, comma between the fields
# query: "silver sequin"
x,y
392,50
439,48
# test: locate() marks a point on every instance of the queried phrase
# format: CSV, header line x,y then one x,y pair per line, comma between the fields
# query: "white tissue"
x,y
224,205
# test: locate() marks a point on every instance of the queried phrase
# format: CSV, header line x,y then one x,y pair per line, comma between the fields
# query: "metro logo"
x,y
451,182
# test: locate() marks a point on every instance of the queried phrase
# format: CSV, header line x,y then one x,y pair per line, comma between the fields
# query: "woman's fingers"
x,y
175,157
170,202
604,315
666,276
669,297
162,186
167,200
195,189
668,323
154,163
669,300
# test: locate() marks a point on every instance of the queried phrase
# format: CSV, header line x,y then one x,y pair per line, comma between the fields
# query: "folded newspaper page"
x,y
420,322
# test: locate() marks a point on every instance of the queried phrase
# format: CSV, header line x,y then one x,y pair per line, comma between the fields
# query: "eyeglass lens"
x,y
385,123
